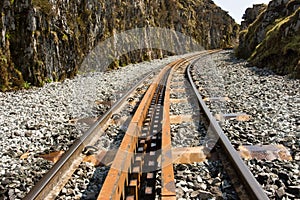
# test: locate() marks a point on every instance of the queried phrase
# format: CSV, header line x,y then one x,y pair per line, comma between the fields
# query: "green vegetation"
x,y
3,59
277,45
249,35
44,5
48,80
7,36
292,45
26,85
279,49
3,88
81,26
65,38
4,75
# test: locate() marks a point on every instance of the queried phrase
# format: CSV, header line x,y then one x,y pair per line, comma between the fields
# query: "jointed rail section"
x,y
135,156
146,148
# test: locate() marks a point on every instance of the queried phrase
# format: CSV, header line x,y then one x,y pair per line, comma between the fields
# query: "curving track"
x,y
142,167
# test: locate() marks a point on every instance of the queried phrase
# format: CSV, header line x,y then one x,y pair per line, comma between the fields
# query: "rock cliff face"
x,y
46,40
273,39
251,15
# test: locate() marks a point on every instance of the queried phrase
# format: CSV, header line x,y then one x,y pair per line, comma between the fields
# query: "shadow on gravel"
x,y
262,72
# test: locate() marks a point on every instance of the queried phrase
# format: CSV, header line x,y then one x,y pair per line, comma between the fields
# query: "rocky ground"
x,y
273,104
205,180
39,121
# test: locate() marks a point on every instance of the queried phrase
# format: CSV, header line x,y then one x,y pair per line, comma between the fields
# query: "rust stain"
x,y
52,157
185,100
148,190
243,118
168,198
102,158
171,186
24,156
167,171
178,119
117,177
188,155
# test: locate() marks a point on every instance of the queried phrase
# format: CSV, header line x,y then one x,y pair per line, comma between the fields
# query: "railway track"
x,y
142,165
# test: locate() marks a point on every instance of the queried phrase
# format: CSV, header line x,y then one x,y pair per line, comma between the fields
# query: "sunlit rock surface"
x,y
273,39
46,40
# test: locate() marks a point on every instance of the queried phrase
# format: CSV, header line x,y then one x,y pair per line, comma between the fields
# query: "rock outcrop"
x,y
273,39
251,15
47,40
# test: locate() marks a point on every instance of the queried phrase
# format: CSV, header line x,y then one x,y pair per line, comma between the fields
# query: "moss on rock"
x,y
50,39
276,44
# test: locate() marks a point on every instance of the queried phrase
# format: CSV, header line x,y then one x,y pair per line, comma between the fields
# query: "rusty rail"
x,y
118,175
117,178
51,183
167,170
168,181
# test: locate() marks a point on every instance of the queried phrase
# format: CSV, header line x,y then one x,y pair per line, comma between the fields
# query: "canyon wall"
x,y
47,40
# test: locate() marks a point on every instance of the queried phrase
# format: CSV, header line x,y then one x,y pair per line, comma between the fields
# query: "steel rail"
x,y
44,188
168,188
117,178
253,187
52,181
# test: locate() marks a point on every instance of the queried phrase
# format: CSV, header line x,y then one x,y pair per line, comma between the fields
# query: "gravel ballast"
x,y
272,102
40,120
